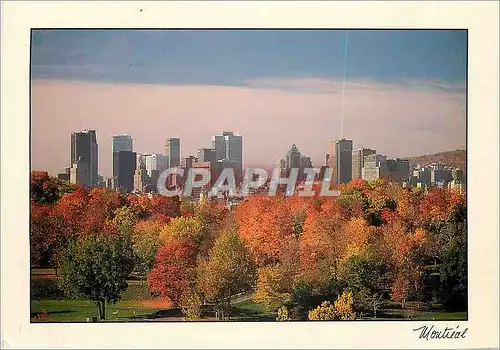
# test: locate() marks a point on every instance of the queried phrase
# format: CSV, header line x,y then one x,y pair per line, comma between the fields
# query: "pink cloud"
x,y
396,119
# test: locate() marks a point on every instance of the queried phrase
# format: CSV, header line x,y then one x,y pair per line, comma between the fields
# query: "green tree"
x,y
230,269
453,267
363,273
146,241
96,266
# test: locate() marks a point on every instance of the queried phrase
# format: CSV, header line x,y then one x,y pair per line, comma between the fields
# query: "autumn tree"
x,y
191,303
180,228
342,309
174,270
146,241
96,266
230,269
47,189
212,217
141,205
41,232
166,206
273,286
322,242
102,205
71,209
265,224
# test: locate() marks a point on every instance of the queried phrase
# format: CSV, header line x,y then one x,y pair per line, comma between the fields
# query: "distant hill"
x,y
456,158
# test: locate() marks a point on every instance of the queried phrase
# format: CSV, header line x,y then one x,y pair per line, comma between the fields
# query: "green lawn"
x,y
80,310
441,316
250,311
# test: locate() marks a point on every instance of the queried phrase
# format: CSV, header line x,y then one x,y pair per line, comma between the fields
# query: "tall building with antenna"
x,y
173,151
340,161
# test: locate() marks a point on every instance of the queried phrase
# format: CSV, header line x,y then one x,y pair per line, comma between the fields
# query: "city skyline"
x,y
280,86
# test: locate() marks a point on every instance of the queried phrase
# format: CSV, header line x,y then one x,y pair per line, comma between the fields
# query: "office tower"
x,y
79,173
358,157
228,148
155,162
280,163
206,155
219,145
141,179
187,162
84,149
375,167
327,159
122,143
340,161
305,163
173,152
293,158
124,164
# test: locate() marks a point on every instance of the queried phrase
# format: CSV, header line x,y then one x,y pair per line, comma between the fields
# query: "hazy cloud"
x,y
398,118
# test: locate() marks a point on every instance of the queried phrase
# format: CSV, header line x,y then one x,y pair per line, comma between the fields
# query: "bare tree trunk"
x,y
102,309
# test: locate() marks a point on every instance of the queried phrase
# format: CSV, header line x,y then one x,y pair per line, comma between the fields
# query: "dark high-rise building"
x,y
173,151
228,148
124,165
206,155
358,157
84,150
340,161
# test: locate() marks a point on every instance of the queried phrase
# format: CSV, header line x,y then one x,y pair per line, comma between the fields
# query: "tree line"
x,y
306,258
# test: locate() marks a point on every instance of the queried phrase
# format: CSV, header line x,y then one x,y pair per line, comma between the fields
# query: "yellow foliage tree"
x,y
340,310
272,286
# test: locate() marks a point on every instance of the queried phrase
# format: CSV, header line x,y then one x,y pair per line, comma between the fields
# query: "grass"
x,y
80,310
248,310
137,304
443,316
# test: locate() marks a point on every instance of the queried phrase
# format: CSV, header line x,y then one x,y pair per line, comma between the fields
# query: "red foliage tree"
x,y
167,206
174,270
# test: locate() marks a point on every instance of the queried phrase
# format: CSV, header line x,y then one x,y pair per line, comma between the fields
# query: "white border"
x,y
480,18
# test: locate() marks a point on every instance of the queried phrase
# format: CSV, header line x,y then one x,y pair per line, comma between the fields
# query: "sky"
x,y
401,92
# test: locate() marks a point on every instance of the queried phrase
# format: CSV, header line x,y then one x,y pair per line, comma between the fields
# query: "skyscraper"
x,y
173,151
124,165
84,149
155,162
206,155
122,143
293,157
358,157
229,150
340,161
219,145
374,167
